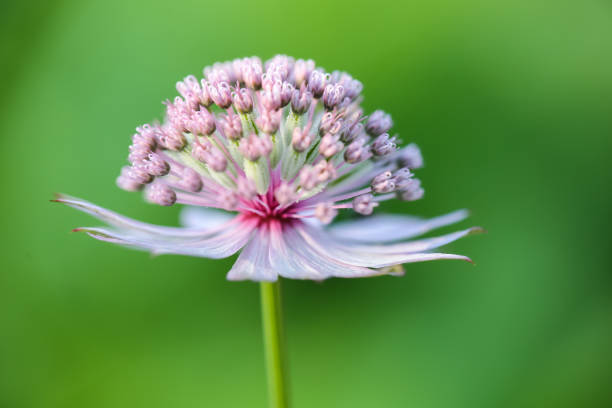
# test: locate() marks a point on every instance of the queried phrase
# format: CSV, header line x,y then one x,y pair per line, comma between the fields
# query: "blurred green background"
x,y
511,103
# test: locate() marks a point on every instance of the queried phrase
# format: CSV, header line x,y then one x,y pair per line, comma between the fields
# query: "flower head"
x,y
266,155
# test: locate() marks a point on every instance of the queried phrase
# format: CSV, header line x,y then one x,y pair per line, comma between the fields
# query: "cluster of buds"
x,y
273,140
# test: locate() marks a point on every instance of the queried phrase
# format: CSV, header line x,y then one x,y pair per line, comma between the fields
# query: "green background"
x,y
511,104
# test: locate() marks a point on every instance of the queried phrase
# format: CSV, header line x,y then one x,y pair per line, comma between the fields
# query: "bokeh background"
x,y
511,103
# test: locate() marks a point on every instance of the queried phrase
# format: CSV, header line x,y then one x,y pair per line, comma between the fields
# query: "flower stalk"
x,y
274,345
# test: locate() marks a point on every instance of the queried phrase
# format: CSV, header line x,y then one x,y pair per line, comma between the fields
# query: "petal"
x,y
361,255
388,227
317,260
123,222
217,242
254,261
203,217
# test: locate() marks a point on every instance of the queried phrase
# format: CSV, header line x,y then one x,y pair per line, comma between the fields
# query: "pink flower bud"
x,y
159,193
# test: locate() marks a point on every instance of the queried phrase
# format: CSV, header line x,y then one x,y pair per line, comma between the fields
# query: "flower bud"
x,y
333,95
247,188
127,183
302,70
242,100
155,165
411,190
325,212
139,174
316,83
170,138
330,145
357,151
364,204
159,193
190,180
410,156
285,194
202,122
300,140
269,121
251,72
383,183
383,145
378,123
221,94
231,126
324,171
300,101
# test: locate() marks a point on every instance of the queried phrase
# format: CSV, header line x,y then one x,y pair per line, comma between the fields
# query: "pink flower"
x,y
267,177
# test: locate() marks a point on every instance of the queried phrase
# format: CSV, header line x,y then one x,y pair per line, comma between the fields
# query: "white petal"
x,y
318,261
220,241
220,245
203,217
359,255
389,227
254,262
123,222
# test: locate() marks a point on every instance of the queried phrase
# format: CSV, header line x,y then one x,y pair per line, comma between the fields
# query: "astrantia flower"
x,y
266,155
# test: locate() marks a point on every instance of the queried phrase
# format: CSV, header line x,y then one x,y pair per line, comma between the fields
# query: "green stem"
x,y
274,344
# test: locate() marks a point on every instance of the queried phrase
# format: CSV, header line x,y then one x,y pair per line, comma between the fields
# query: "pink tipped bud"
x,y
330,145
351,86
202,122
247,188
127,183
301,140
139,174
155,165
410,156
383,145
302,70
228,199
270,97
285,194
378,123
269,121
324,171
145,136
206,99
308,177
280,64
252,70
316,83
286,93
383,184
190,89
170,138
352,132
205,152
138,153
190,180
411,190
364,204
231,126
330,123
402,178
300,101
333,95
178,113
221,94
250,147
357,151
242,100
325,212
161,194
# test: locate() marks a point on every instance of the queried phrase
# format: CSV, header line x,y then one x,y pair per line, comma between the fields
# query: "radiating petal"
x,y
123,222
203,217
318,262
389,227
359,255
220,241
254,261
